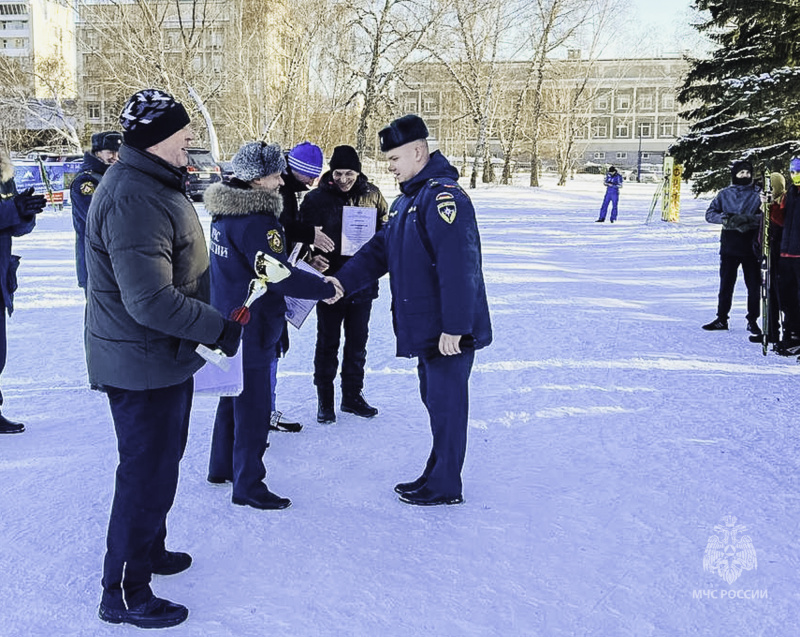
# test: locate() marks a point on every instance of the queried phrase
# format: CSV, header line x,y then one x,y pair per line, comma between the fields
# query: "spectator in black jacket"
x,y
148,307
344,185
17,218
738,209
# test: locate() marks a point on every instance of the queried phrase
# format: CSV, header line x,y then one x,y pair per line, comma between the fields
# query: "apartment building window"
x,y
410,105
14,43
623,102
13,25
602,103
622,156
13,9
600,128
667,101
667,129
646,102
645,156
645,129
599,155
93,110
430,104
623,129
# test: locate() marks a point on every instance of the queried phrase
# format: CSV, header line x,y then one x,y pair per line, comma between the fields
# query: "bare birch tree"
x,y
472,58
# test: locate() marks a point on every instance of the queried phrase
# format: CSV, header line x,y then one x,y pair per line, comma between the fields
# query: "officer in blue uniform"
x,y
245,213
105,151
17,218
431,249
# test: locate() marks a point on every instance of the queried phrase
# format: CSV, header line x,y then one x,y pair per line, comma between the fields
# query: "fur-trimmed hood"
x,y
224,200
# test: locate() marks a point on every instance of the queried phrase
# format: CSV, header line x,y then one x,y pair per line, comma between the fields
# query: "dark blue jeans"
x,y
444,389
152,427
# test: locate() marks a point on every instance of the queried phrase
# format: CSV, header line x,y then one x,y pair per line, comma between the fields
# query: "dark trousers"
x,y
241,430
330,319
728,268
152,427
3,344
789,283
443,386
612,197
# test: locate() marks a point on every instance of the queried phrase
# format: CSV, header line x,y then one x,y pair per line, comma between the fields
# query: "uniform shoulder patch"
x,y
87,188
446,206
275,241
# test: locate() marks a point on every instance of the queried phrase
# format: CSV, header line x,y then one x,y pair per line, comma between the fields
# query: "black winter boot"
x,y
353,403
325,413
10,427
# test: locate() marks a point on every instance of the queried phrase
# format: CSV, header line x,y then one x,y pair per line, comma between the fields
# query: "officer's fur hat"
x,y
107,140
258,159
401,131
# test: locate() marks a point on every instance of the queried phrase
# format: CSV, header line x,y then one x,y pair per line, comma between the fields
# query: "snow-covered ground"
x,y
609,434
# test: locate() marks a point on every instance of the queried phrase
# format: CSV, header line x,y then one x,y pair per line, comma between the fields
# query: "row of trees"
x,y
332,70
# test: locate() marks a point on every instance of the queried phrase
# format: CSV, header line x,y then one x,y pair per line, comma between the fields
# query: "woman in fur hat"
x,y
245,214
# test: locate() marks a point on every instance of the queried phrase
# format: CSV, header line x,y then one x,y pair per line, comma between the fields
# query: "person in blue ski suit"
x,y
104,153
245,213
612,182
431,249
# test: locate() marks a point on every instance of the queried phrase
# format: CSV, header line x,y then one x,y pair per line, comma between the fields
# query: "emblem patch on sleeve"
x,y
87,188
275,241
446,204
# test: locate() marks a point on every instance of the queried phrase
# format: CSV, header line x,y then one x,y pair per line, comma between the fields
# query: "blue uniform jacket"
x,y
244,222
431,249
10,226
81,191
613,180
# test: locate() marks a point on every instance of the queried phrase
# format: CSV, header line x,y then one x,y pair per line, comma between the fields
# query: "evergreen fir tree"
x,y
743,102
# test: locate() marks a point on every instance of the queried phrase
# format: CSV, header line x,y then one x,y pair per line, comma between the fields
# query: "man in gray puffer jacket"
x,y
147,309
738,209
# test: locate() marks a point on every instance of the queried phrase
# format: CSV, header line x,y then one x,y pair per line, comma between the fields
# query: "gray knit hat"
x,y
258,159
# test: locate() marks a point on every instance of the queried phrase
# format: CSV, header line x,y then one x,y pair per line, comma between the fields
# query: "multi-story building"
x,y
229,53
620,111
37,71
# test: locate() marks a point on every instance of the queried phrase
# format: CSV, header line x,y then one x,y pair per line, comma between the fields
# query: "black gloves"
x,y
29,204
228,341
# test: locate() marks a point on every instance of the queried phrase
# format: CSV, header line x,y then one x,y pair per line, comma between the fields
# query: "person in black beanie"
x,y
148,307
104,153
343,185
17,218
738,209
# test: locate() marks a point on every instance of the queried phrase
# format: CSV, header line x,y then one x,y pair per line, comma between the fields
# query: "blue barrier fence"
x,y
59,175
